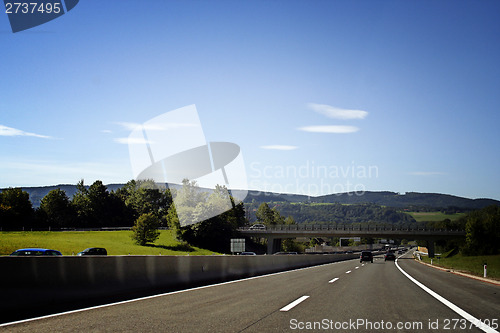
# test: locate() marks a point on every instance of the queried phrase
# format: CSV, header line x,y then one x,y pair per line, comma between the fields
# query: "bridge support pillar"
x,y
273,245
430,248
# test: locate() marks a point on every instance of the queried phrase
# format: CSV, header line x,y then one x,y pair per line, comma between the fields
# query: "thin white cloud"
x,y
426,173
9,131
132,141
279,147
106,131
129,126
337,113
329,129
154,127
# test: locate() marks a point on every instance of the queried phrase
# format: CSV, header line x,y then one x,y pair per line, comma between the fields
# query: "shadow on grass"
x,y
178,247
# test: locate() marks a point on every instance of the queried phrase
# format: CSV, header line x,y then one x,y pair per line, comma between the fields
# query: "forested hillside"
x,y
410,200
334,213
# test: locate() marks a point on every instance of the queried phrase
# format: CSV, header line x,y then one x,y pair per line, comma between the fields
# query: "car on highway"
x,y
248,254
389,256
93,251
258,226
36,252
366,256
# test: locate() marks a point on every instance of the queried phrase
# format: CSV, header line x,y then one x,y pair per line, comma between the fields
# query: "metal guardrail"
x,y
343,227
78,229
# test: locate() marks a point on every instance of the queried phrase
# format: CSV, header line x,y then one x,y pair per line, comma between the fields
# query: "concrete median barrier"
x,y
34,286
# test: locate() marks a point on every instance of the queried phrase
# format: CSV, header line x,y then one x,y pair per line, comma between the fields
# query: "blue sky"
x,y
321,96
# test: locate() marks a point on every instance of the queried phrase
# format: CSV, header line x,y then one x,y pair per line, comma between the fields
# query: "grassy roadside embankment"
x,y
115,242
469,264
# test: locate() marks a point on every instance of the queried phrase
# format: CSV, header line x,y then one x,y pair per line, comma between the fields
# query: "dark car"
x,y
93,251
36,252
366,256
389,256
248,254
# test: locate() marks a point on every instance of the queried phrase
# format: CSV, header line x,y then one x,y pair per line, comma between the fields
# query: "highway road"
x,y
340,297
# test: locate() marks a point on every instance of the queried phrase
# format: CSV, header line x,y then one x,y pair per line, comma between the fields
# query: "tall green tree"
x,y
483,231
15,209
289,220
119,215
99,202
81,205
57,209
213,233
145,196
96,207
265,215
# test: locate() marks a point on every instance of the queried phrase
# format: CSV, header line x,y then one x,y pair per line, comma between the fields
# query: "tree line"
x,y
91,207
482,228
141,205
318,213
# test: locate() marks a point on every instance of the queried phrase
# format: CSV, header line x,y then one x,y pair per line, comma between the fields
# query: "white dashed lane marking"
x,y
294,303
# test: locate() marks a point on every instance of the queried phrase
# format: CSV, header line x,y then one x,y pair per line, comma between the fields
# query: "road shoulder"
x,y
461,273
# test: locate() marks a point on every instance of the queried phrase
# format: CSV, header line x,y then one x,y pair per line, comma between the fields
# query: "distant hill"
x,y
383,198
37,193
390,199
415,199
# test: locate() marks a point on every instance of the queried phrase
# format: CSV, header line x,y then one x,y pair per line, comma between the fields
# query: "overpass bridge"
x,y
274,234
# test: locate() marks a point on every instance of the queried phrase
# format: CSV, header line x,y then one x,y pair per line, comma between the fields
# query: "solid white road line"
x,y
294,303
333,280
476,322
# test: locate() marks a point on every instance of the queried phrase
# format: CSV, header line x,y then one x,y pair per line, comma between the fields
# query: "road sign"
x,y
237,245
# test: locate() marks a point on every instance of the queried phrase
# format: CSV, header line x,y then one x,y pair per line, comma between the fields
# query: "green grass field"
x,y
434,216
115,242
470,264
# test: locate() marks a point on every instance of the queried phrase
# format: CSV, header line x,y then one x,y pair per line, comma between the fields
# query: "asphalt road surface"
x,y
340,297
